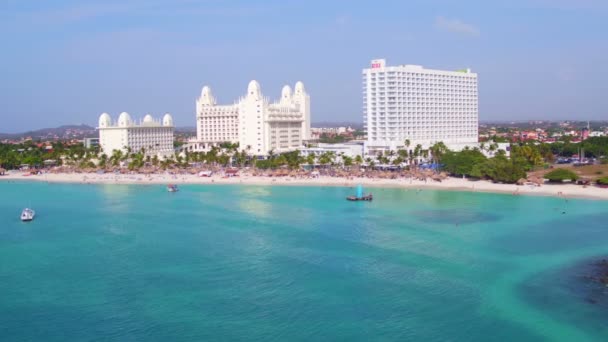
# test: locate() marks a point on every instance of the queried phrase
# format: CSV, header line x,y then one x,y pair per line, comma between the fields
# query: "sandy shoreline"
x,y
454,184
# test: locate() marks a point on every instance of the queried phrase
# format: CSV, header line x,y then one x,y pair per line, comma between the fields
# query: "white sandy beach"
x,y
459,184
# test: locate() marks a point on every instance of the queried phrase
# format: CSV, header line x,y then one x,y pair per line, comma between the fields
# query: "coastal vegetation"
x,y
499,169
594,147
602,181
473,163
526,160
560,175
12,156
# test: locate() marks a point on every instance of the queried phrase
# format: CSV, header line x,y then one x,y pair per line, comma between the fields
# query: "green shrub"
x,y
560,175
602,181
499,169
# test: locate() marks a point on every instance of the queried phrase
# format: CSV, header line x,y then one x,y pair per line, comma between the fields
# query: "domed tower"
x,y
286,95
300,88
254,90
167,120
206,98
124,120
252,113
303,99
148,120
105,120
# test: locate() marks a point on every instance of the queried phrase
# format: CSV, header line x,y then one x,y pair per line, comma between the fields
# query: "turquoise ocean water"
x,y
135,263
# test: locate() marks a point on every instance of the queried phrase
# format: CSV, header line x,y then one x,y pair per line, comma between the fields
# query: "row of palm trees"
x,y
230,155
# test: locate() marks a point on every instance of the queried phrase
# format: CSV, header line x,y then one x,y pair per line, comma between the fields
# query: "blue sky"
x,y
67,61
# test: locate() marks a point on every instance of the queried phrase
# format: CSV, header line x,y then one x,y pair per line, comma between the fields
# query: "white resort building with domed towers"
x,y
253,121
155,137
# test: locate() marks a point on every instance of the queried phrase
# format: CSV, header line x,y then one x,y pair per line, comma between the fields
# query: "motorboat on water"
x,y
360,196
27,215
172,188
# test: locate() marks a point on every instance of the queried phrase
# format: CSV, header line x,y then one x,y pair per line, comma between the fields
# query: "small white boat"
x,y
172,188
27,215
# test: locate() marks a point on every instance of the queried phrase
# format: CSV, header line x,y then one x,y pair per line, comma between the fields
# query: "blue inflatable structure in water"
x,y
360,196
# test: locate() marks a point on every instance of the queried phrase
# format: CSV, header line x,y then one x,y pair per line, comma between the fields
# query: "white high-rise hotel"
x,y
258,125
422,105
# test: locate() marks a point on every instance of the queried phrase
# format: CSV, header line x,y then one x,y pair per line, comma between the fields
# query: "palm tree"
x,y
116,157
137,161
103,160
223,159
397,161
403,154
417,152
438,150
493,147
425,154
348,161
281,160
240,158
310,159
358,160
211,156
327,158
379,157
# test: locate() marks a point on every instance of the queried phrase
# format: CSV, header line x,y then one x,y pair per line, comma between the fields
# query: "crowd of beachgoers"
x,y
419,179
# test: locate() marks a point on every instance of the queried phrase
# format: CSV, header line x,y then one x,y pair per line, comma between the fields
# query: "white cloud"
x,y
456,26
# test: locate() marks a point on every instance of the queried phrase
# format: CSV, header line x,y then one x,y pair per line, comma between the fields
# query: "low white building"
x,y
351,149
491,152
90,142
155,137
253,121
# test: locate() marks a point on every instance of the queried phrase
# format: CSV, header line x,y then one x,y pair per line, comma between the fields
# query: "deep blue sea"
x,y
253,263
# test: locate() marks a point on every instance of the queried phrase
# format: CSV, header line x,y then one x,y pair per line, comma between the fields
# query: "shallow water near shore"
x,y
134,262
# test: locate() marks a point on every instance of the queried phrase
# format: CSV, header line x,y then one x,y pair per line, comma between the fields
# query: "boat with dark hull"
x,y
368,197
360,196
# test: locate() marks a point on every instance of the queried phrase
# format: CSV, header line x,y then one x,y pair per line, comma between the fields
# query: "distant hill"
x,y
61,132
185,129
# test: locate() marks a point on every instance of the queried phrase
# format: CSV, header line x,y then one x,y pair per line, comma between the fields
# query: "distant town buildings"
x,y
152,136
421,105
316,132
253,121
541,131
